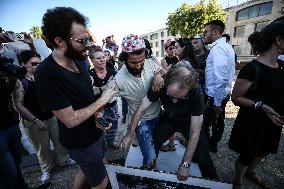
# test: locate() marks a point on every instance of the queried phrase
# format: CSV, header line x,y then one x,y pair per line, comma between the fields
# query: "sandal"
x,y
183,141
257,180
167,148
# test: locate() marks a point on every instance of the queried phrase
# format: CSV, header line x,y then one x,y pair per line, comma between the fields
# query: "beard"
x,y
134,71
74,54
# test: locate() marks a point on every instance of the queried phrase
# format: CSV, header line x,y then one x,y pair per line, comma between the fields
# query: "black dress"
x,y
253,132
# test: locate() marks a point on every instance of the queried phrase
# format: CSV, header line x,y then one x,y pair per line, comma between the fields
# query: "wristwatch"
x,y
185,164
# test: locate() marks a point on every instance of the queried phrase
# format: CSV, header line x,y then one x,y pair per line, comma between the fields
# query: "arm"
x,y
144,105
18,100
195,127
220,74
240,88
164,64
72,118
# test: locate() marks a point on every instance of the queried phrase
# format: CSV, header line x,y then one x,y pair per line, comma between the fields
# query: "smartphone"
x,y
102,122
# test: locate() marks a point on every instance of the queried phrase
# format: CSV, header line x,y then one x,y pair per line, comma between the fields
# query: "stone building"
x,y
246,18
243,19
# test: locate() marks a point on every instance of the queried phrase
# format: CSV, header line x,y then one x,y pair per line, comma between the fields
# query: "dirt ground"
x,y
271,169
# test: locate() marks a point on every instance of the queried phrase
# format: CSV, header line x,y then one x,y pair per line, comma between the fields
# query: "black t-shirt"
x,y
182,110
31,101
8,115
59,88
101,83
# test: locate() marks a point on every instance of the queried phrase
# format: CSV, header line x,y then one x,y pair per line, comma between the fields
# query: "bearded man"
x,y
65,88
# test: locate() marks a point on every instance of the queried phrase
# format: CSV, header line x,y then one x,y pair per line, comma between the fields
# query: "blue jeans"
x,y
144,133
10,158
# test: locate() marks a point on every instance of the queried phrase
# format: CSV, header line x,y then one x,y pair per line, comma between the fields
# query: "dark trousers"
x,y
10,158
214,120
166,128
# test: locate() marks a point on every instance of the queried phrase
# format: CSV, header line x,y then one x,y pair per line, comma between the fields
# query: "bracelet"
x,y
256,105
34,119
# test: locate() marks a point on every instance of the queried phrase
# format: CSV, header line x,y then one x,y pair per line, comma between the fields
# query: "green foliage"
x,y
36,32
188,20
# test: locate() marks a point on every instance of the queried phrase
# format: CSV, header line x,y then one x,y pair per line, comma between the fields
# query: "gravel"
x,y
271,169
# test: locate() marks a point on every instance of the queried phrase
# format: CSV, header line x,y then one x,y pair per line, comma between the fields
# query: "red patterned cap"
x,y
169,43
132,43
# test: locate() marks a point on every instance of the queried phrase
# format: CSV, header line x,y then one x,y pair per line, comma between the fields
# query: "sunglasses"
x,y
83,41
178,98
35,63
172,48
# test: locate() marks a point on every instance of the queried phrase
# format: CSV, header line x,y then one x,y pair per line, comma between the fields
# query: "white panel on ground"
x,y
167,161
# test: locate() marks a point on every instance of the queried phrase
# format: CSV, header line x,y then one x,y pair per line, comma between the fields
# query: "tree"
x,y
36,32
189,20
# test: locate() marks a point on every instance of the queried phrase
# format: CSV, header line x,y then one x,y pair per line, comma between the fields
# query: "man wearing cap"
x,y
170,58
133,81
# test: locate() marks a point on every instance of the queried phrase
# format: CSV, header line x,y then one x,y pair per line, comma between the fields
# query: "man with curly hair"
x,y
65,88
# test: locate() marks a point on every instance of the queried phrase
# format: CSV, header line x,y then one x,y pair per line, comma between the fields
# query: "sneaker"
x,y
45,176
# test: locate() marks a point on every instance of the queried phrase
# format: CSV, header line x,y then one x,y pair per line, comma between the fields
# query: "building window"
x,y
254,11
157,54
238,49
169,33
162,34
239,31
265,9
154,36
259,26
151,44
157,44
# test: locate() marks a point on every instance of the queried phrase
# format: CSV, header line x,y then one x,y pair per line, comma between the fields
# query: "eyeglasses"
x,y
83,41
34,63
172,48
178,98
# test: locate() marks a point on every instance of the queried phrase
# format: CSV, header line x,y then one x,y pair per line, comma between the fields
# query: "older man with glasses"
x,y
183,102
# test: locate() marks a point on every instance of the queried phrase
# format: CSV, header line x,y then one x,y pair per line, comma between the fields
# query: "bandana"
x,y
132,43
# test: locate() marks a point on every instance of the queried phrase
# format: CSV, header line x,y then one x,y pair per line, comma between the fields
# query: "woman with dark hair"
x,y
259,91
149,52
185,51
40,127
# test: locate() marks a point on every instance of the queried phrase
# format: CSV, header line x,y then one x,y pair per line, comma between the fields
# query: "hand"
x,y
110,92
40,124
158,82
125,142
28,39
272,115
182,173
217,109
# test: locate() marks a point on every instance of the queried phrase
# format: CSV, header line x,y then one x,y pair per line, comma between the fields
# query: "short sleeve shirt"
x,y
182,110
59,88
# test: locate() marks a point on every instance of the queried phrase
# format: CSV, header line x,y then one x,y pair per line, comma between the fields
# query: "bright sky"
x,y
106,17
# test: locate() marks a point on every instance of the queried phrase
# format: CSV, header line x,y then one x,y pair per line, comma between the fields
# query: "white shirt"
x,y
281,57
220,70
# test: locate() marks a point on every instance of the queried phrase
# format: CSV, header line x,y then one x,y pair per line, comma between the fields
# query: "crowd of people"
x,y
70,97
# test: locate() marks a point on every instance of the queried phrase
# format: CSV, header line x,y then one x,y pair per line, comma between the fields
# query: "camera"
x,y
7,67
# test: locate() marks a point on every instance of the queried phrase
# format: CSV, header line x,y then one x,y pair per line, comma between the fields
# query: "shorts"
x,y
90,160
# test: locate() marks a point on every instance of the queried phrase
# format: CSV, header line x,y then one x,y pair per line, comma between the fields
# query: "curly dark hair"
x,y
26,55
57,22
263,40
